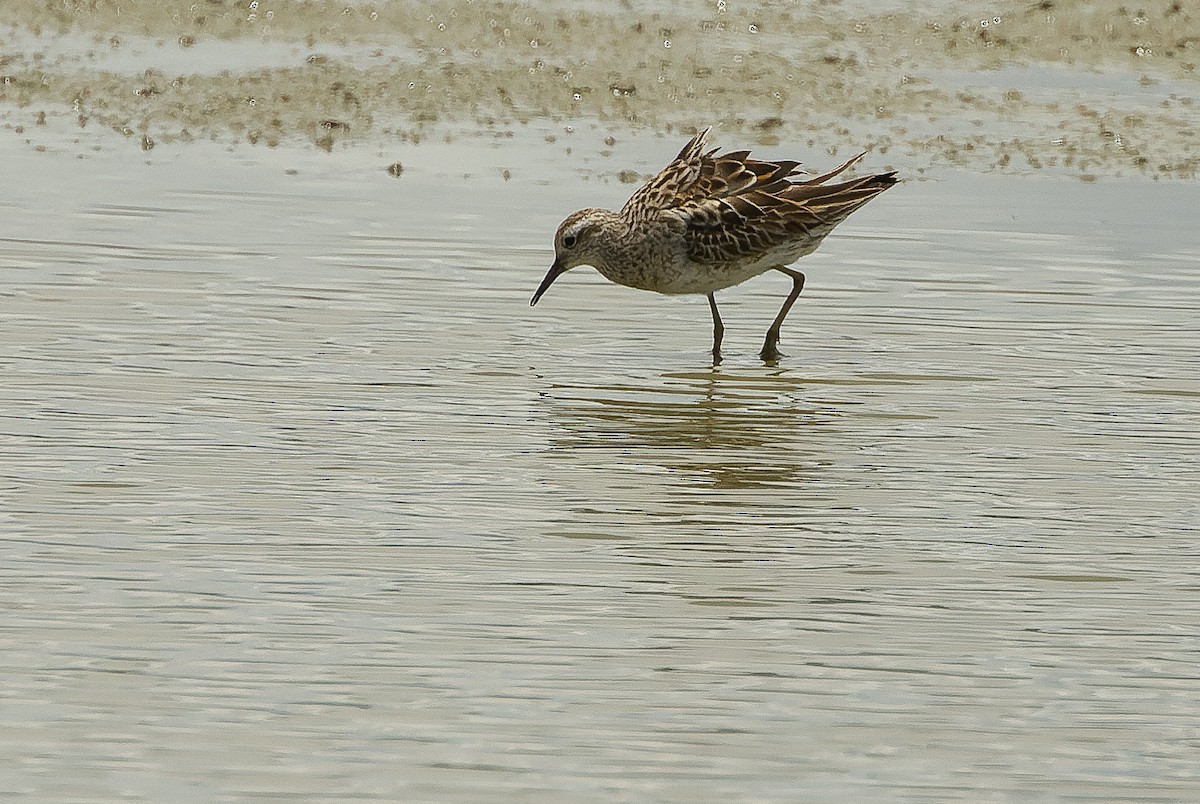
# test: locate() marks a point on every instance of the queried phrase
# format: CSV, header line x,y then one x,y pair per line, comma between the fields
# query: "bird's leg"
x,y
769,351
718,329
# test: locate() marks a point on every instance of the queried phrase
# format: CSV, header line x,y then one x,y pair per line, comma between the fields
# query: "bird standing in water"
x,y
709,222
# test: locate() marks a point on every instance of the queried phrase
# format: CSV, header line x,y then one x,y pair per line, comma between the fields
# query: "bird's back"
x,y
738,210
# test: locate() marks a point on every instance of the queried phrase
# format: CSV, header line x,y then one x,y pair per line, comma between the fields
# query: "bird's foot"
x,y
770,352
770,358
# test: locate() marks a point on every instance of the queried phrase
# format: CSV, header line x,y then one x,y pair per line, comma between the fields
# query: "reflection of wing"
x,y
736,207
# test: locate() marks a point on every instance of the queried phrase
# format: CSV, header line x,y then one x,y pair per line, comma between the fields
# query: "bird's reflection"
x,y
730,430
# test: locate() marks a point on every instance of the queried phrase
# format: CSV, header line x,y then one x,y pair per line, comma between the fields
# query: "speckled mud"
x,y
1093,89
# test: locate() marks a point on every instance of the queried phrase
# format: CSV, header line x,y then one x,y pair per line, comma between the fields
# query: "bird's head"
x,y
577,242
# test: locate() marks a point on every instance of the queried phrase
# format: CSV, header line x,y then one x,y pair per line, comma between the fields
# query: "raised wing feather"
x,y
785,216
736,208
696,176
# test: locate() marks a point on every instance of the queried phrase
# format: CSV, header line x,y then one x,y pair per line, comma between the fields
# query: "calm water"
x,y
300,498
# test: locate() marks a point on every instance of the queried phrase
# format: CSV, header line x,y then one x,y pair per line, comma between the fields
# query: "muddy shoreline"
x,y
1093,91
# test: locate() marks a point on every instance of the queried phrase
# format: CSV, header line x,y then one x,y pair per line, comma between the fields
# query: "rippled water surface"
x,y
300,498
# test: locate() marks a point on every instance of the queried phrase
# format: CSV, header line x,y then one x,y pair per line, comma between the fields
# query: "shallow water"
x,y
300,498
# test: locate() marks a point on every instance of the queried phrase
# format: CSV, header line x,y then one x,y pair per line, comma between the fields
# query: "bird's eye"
x,y
569,241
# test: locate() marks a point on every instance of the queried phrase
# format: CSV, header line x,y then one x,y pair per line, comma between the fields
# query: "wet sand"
x,y
1090,90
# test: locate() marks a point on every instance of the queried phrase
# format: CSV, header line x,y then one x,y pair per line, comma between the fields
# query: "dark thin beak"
x,y
556,270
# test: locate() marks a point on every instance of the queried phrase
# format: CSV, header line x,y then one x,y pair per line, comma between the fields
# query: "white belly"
x,y
695,278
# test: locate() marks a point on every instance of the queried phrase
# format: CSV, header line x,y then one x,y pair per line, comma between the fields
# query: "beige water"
x,y
299,499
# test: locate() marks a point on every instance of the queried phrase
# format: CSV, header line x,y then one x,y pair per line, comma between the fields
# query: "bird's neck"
x,y
627,254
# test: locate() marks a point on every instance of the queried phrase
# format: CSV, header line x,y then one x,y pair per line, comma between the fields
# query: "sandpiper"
x,y
709,222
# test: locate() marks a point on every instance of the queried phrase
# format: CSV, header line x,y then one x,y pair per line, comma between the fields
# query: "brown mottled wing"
x,y
770,216
696,177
